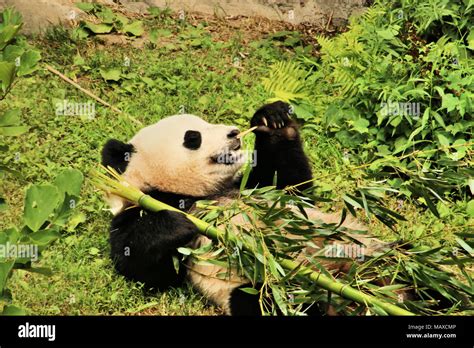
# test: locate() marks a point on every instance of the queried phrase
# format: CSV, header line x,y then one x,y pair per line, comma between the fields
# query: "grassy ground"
x,y
207,68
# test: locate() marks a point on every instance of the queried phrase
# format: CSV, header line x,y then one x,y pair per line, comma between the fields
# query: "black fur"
x,y
278,149
192,140
143,244
152,239
242,303
117,154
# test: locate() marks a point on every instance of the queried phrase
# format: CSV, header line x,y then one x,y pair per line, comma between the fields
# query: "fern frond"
x,y
287,82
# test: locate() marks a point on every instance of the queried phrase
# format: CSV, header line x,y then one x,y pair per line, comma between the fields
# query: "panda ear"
x,y
192,140
117,154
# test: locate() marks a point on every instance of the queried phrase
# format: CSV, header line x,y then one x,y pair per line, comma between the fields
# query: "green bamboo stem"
x,y
134,195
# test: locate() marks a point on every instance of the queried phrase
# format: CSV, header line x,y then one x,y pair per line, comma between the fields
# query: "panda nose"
x,y
233,133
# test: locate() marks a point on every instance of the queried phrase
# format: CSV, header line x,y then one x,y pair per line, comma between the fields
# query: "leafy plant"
x,y
106,21
396,90
415,278
289,82
17,58
48,208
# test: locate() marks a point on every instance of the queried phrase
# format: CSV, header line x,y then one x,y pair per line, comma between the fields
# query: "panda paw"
x,y
183,229
274,120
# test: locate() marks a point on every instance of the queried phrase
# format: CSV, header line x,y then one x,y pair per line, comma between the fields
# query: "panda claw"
x,y
265,121
274,125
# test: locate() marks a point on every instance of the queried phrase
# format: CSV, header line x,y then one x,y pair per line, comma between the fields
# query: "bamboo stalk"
x,y
118,186
89,93
244,133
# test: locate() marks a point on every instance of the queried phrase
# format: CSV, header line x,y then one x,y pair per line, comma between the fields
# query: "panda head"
x,y
180,154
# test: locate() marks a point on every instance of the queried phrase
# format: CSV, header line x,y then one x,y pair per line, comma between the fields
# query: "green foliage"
x,y
396,90
286,82
106,21
277,228
17,58
289,82
48,208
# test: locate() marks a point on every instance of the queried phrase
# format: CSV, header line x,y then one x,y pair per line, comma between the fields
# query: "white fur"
x,y
162,162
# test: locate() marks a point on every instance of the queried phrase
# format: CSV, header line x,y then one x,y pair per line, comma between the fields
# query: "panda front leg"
x,y
144,243
278,149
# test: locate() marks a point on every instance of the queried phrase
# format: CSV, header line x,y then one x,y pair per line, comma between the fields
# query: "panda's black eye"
x,y
192,140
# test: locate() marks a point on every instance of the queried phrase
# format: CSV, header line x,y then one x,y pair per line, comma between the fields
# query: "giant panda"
x,y
182,159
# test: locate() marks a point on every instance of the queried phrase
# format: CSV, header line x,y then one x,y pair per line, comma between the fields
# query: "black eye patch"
x,y
192,140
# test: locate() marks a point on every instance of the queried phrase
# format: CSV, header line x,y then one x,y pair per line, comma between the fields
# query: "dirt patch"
x,y
40,14
292,11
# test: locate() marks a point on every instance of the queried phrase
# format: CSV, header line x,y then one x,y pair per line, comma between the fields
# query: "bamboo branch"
x,y
118,186
244,133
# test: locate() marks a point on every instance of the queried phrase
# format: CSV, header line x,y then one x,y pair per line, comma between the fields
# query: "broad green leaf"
x,y
135,28
121,21
10,117
69,181
40,202
250,291
7,33
99,28
361,125
29,62
450,102
85,6
110,74
12,52
79,33
78,60
13,131
7,72
13,310
302,112
106,15
443,139
75,221
10,235
11,17
5,268
45,237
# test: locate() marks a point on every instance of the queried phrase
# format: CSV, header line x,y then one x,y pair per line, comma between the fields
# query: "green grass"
x,y
189,68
